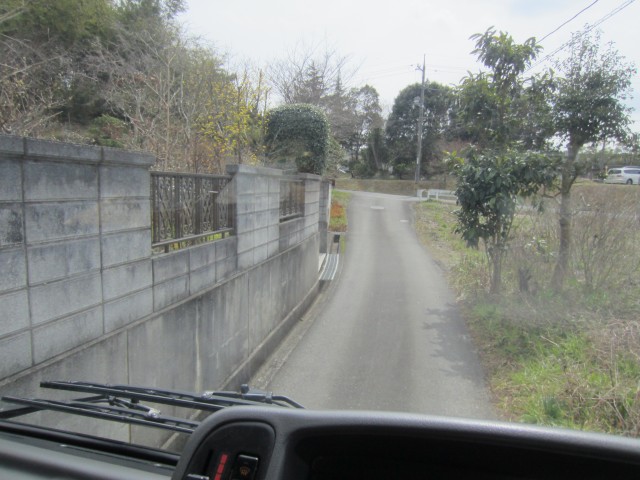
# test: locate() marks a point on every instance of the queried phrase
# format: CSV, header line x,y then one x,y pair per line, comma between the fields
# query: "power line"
x,y
583,33
572,18
393,71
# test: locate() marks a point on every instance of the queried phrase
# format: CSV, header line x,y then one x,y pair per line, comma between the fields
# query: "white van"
x,y
626,175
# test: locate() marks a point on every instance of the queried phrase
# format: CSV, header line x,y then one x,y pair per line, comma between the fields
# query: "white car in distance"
x,y
625,175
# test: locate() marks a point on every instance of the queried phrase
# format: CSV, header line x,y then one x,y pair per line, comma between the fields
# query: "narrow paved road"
x,y
386,334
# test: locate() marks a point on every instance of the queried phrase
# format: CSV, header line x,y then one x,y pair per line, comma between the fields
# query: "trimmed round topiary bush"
x,y
298,132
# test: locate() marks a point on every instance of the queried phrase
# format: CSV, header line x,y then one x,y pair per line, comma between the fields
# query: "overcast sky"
x,y
385,40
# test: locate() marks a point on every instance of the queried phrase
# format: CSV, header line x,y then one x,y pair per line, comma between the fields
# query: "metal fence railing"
x,y
189,208
291,198
439,195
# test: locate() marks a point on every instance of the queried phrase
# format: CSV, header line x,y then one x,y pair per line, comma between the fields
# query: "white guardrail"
x,y
438,195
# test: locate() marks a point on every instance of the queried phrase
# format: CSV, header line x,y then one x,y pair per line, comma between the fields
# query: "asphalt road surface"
x,y
385,334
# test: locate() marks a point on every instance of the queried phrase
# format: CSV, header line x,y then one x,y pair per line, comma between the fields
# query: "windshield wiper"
x,y
124,412
208,401
122,403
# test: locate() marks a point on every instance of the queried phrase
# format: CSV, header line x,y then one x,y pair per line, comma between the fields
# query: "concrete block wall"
x,y
311,204
298,229
291,233
226,332
82,297
183,273
74,247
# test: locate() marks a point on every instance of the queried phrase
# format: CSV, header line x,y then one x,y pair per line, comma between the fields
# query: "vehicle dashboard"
x,y
251,443
301,444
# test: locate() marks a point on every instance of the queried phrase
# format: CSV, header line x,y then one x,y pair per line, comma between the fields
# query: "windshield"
x,y
400,207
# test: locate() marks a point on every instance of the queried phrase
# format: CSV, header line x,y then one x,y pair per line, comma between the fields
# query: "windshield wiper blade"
x,y
209,401
7,413
136,415
121,403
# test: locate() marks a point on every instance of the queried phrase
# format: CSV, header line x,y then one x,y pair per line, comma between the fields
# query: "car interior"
x,y
257,435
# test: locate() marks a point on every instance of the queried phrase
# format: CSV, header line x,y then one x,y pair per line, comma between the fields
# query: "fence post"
x,y
311,196
198,193
176,207
257,212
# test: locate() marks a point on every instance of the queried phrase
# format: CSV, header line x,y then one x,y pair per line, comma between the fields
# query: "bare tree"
x,y
181,102
29,94
144,71
309,74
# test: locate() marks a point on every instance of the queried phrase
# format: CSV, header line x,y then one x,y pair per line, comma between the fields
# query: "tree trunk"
x,y
496,254
496,274
568,177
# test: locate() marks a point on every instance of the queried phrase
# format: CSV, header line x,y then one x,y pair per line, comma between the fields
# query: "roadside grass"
x,y
338,214
434,223
552,371
569,358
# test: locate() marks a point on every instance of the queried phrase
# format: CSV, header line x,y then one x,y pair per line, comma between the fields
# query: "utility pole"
x,y
420,121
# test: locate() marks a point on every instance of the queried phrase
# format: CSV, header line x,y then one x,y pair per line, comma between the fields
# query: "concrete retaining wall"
x,y
82,297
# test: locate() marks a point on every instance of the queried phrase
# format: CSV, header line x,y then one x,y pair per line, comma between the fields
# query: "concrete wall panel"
x,y
125,310
104,362
260,254
14,270
125,214
119,281
60,181
231,329
261,236
14,312
161,350
202,279
64,297
203,255
170,265
124,247
62,335
261,201
59,260
261,317
11,229
57,221
16,354
273,248
10,181
246,242
226,267
171,291
118,182
246,222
